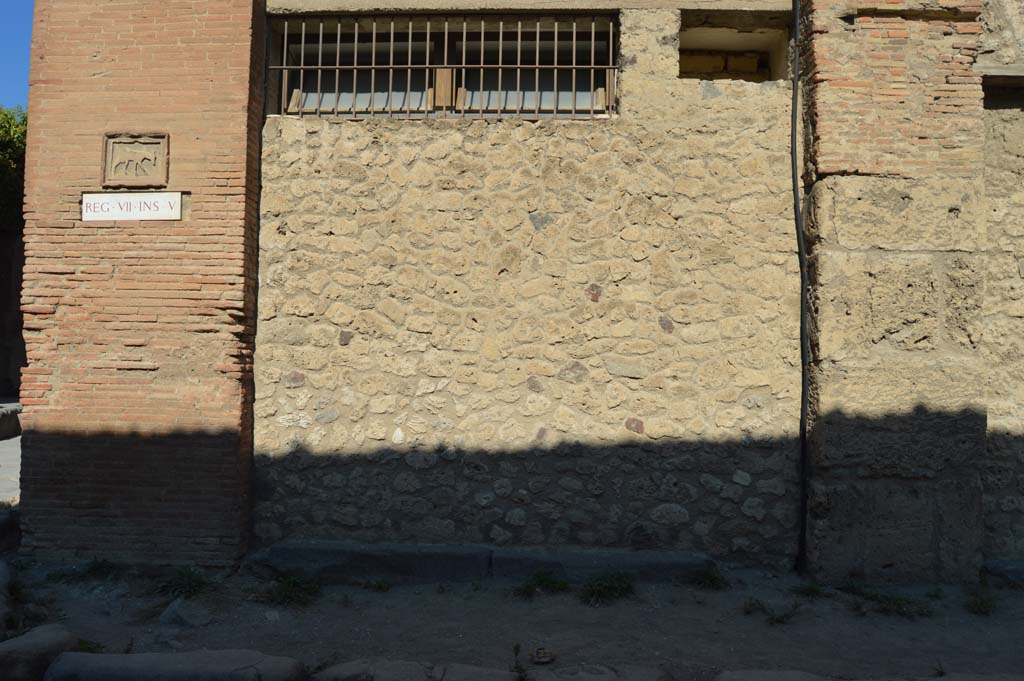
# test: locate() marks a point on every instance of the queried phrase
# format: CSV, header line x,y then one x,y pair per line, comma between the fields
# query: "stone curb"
x,y
347,562
397,670
26,657
1009,572
792,675
202,665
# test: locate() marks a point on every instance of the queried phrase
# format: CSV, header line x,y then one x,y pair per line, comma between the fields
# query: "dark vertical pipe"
x,y
805,348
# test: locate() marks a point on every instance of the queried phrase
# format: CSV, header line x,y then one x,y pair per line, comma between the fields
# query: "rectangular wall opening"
x,y
733,45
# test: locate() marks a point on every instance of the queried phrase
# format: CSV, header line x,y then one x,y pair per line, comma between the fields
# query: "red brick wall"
x,y
892,90
139,335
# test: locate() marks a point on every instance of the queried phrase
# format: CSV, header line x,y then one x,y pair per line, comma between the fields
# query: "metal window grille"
x,y
419,67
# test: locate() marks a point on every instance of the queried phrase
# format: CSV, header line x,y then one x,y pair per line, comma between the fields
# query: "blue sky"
x,y
15,37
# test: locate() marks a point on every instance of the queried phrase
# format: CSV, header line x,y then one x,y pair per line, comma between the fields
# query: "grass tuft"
x,y
810,590
980,602
293,590
86,646
606,589
887,603
539,584
186,582
517,667
377,585
710,578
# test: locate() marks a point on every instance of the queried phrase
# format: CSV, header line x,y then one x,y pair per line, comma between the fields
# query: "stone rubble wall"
x,y
536,333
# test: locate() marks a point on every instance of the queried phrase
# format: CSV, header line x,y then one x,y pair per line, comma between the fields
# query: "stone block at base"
x,y
203,665
26,657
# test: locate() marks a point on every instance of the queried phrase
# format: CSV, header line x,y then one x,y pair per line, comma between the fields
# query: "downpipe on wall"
x,y
801,245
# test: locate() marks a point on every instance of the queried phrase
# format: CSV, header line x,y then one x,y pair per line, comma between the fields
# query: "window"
x,y
445,67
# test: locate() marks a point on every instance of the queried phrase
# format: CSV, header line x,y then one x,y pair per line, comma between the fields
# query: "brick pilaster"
x,y
139,335
896,222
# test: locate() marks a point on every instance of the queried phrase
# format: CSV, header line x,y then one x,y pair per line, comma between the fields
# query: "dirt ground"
x,y
758,622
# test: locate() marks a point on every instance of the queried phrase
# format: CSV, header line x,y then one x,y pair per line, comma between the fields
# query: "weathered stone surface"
x,y
464,672
27,657
10,424
594,672
9,528
535,357
776,675
578,565
1002,338
1009,573
185,613
394,670
345,562
5,594
203,665
377,670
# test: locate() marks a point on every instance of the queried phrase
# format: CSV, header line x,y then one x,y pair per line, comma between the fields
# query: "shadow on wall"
x,y
12,342
891,497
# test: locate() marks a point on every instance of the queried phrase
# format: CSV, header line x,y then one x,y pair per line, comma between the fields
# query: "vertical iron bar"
x,y
391,68
319,67
501,63
373,67
554,112
519,67
428,105
483,31
611,78
337,68
355,66
464,67
536,75
302,70
408,76
593,63
284,72
573,114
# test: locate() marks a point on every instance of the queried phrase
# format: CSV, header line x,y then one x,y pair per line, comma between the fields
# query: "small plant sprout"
x,y
186,582
710,578
293,590
606,589
539,584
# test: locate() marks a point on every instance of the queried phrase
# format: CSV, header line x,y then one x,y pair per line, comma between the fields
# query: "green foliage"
x,y
293,590
87,646
517,668
13,126
186,581
887,603
710,578
811,590
539,584
606,589
378,585
980,602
